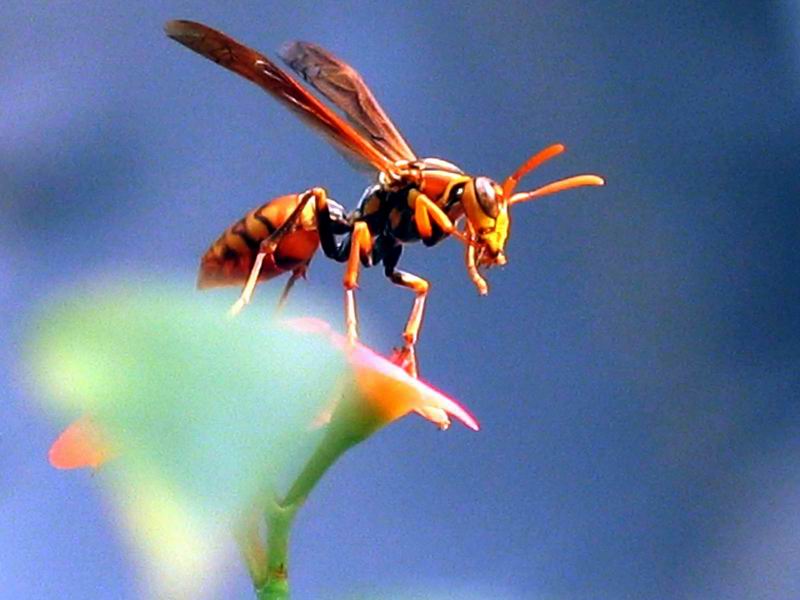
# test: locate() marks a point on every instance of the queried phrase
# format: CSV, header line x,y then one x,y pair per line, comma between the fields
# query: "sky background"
x,y
635,368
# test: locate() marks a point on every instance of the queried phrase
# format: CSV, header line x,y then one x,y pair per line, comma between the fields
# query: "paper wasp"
x,y
413,198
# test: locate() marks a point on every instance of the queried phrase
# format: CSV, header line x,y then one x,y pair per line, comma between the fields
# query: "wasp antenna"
x,y
529,165
557,186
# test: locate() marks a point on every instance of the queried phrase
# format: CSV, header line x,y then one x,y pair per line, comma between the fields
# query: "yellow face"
x,y
487,212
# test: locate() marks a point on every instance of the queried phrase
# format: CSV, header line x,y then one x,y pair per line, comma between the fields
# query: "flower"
x,y
204,416
384,391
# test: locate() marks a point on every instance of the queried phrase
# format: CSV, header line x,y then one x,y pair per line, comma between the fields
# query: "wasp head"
x,y
486,205
488,220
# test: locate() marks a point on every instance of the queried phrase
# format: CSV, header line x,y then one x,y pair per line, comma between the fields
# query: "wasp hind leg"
x,y
267,249
247,291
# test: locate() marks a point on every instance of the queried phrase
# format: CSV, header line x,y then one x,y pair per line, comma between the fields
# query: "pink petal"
x,y
407,392
428,396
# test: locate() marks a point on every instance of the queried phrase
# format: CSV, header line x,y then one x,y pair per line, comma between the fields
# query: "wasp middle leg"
x,y
354,249
425,212
406,357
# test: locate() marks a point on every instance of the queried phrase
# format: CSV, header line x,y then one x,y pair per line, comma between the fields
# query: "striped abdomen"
x,y
229,259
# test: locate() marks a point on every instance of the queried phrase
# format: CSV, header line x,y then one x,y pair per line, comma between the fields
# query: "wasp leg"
x,y
425,210
332,221
360,245
356,247
267,248
405,356
474,273
247,291
296,274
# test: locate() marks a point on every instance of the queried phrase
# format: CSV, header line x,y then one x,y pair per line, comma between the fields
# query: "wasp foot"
x,y
405,358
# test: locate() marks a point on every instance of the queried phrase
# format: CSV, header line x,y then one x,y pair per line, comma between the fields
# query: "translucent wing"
x,y
342,85
252,65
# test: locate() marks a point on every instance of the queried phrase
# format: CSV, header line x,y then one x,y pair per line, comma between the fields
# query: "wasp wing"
x,y
252,65
343,86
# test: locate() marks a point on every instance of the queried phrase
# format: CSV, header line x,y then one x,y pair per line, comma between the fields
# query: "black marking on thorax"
x,y
390,220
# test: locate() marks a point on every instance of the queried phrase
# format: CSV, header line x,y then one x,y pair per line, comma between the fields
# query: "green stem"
x,y
332,446
279,525
338,439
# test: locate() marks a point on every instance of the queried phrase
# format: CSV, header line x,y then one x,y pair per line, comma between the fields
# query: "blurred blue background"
x,y
635,366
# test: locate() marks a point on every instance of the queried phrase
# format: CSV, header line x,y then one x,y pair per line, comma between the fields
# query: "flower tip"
x,y
469,421
439,407
437,416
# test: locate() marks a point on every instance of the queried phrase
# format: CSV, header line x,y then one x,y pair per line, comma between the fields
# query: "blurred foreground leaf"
x,y
203,413
216,405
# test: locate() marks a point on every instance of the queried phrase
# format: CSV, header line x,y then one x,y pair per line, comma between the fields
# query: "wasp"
x,y
412,199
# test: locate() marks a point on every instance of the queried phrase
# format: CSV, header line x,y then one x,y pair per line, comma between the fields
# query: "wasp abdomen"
x,y
229,260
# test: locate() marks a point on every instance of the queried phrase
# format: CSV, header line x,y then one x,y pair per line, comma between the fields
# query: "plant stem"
x,y
253,549
279,524
280,515
332,446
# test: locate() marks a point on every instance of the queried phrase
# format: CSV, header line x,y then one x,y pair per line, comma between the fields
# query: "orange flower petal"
x,y
390,391
396,393
79,445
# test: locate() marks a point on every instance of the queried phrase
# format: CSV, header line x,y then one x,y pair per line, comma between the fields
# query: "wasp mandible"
x,y
411,199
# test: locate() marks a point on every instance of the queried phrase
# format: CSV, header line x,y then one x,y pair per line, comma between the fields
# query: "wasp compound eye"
x,y
486,196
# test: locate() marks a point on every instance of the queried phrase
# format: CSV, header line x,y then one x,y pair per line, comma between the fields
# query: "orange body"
x,y
230,259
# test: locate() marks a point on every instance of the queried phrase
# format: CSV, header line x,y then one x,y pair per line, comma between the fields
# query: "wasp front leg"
x,y
426,210
472,267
